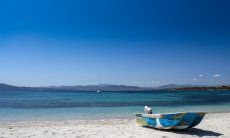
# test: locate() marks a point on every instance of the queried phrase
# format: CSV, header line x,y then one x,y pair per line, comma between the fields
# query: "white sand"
x,y
213,125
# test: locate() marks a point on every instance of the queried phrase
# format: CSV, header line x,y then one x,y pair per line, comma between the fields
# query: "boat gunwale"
x,y
161,115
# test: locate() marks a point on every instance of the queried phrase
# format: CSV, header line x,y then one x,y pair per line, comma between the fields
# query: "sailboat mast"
x,y
99,79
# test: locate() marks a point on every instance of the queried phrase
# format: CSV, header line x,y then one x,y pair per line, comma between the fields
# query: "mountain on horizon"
x,y
175,86
104,87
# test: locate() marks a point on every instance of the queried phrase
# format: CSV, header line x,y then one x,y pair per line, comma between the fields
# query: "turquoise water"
x,y
22,106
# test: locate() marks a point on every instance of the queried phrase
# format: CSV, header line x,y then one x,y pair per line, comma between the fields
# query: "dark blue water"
x,y
19,105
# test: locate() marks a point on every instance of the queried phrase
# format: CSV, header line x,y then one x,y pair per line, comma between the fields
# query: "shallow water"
x,y
32,105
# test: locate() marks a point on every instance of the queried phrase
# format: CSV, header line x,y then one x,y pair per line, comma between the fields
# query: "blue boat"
x,y
170,121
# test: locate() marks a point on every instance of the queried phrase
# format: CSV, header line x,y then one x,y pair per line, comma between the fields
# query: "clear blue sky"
x,y
131,42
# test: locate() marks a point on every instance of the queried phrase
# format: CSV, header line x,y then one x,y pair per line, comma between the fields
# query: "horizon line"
x,y
207,85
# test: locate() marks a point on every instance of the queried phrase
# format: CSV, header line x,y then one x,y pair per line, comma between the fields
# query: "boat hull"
x,y
170,121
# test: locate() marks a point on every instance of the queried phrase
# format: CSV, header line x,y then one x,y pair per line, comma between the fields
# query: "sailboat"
x,y
98,90
99,82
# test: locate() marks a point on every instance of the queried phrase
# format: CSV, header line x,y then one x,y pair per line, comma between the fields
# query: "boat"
x,y
171,120
98,90
99,83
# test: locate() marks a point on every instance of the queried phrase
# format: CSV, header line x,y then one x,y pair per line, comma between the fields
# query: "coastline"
x,y
213,125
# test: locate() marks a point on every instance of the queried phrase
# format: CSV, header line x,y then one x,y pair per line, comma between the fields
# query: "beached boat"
x,y
170,121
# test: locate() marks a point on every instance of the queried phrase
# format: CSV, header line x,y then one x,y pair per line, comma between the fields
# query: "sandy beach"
x,y
213,125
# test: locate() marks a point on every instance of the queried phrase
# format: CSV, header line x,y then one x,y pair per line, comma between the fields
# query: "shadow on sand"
x,y
197,132
193,132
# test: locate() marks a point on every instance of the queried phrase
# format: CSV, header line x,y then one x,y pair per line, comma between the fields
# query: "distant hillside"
x,y
7,87
107,87
95,87
210,88
174,86
110,87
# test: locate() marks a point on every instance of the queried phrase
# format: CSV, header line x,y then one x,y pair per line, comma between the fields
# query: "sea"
x,y
52,106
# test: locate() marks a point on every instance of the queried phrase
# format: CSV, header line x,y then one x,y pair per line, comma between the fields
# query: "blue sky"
x,y
131,42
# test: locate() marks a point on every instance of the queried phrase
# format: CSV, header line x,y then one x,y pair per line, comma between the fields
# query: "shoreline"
x,y
213,125
94,119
